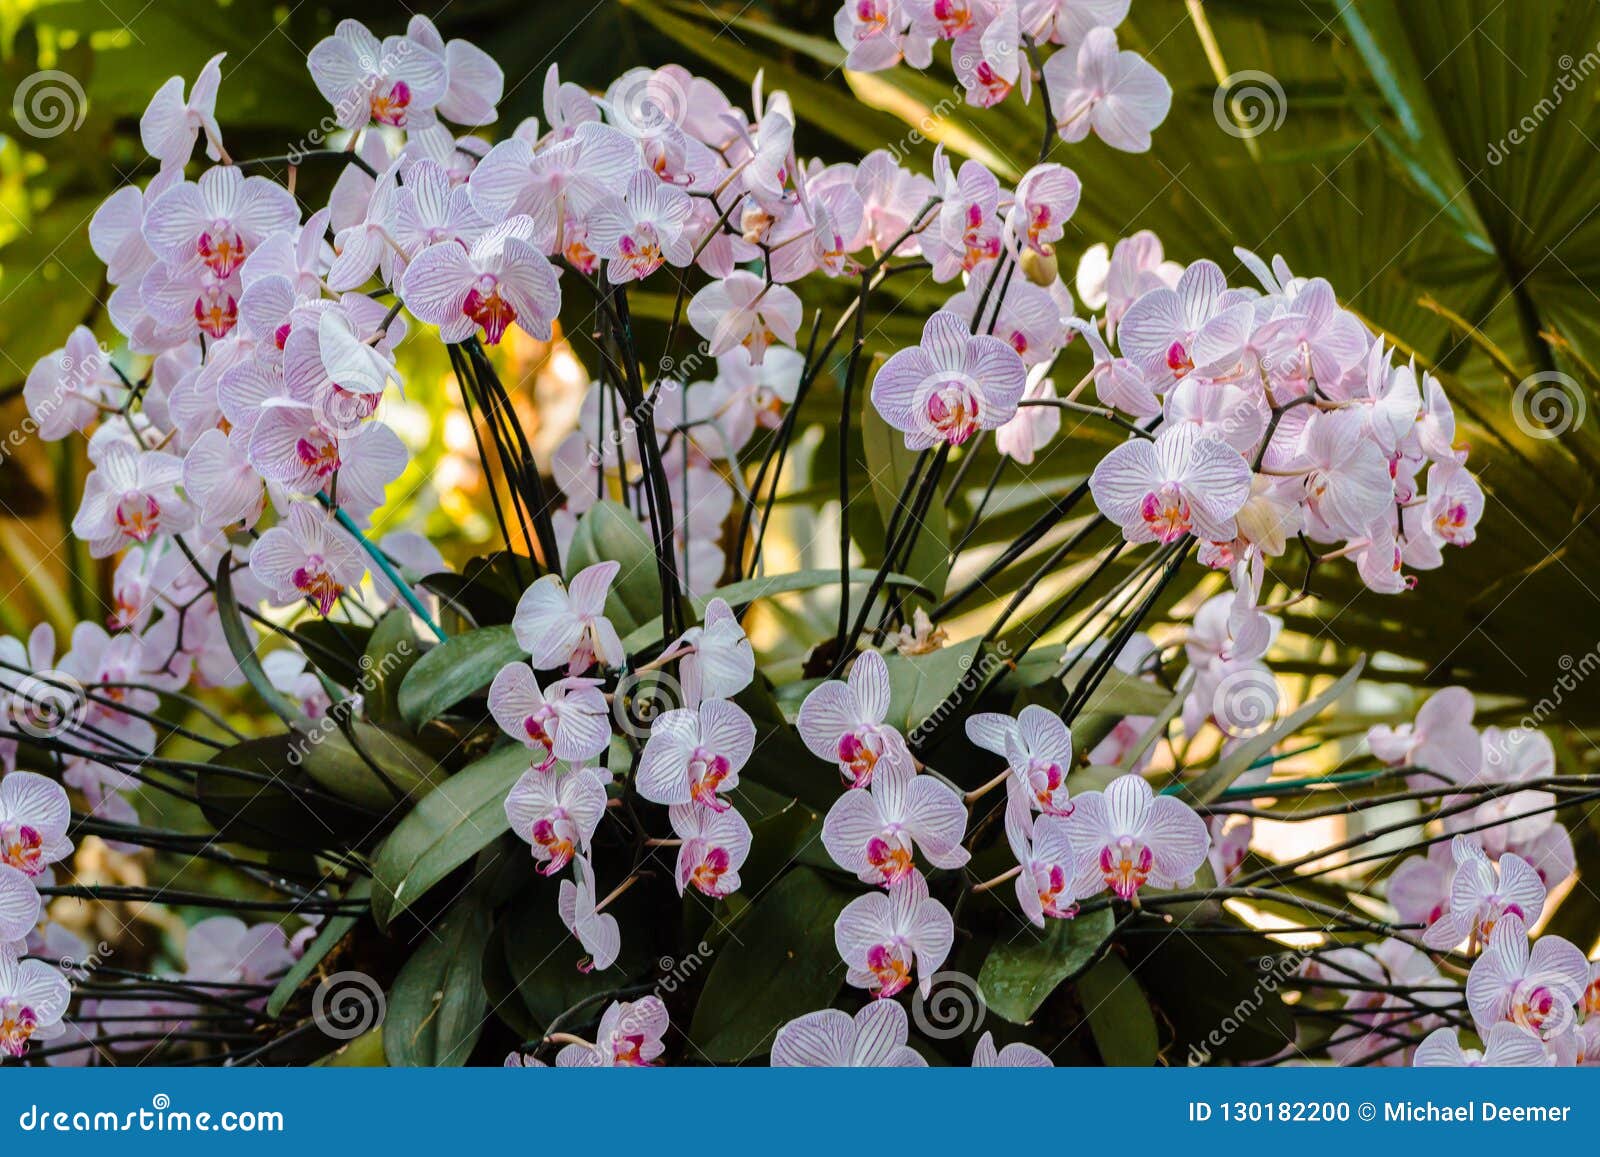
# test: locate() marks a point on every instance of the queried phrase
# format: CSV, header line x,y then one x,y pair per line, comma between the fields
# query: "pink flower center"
x,y
540,728
953,409
641,250
889,855
215,311
1125,866
1532,1006
318,452
1452,520
1039,220
627,1050
389,104
707,770
1178,360
1046,779
859,752
953,17
222,248
22,847
872,14
487,308
1591,998
138,516
708,873
17,1023
313,581
1166,513
1052,882
889,968
557,836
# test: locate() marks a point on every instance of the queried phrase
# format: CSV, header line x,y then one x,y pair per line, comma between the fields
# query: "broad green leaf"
x,y
1119,1016
274,815
1021,973
450,825
437,1009
392,652
779,963
460,666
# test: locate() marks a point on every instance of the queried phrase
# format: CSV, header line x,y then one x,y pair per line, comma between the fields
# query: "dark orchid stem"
x,y
534,498
777,450
658,492
198,899
977,511
458,362
346,155
911,530
847,385
1037,66
1020,546
1103,662
1044,570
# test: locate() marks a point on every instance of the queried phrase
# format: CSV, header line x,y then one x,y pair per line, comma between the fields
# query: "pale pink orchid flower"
x,y
1507,1046
990,62
218,220
561,183
1348,486
1118,95
1199,326
1069,21
892,197
224,950
966,232
715,846
1114,279
1536,988
1420,886
1037,747
557,814
66,388
1481,894
306,557
886,938
116,231
1127,838
1436,424
1441,739
566,105
568,720
1314,338
431,210
33,999
597,932
559,624
1031,428
1454,504
1183,482
396,82
218,474
842,722
643,228
875,1037
722,662
1118,382
1230,844
501,280
877,34
171,123
129,498
1046,198
950,386
742,310
34,814
474,82
876,832
364,246
291,673
20,905
1043,850
1027,318
309,448
694,754
1016,1055
629,1035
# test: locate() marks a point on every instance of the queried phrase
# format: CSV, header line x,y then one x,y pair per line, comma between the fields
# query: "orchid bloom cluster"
x,y
255,447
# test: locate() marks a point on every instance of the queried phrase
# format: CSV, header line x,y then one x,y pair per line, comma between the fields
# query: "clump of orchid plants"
x,y
630,833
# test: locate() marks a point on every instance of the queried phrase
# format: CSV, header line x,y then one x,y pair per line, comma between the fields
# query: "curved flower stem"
x,y
383,563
